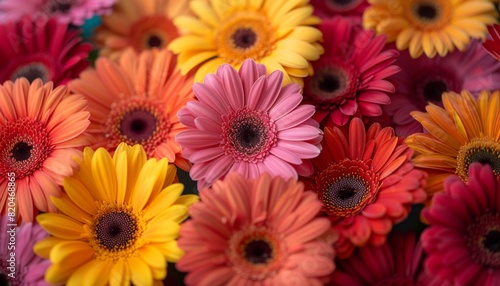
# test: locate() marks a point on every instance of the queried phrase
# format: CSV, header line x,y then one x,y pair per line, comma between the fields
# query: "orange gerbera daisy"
x,y
141,24
366,182
466,130
135,100
41,131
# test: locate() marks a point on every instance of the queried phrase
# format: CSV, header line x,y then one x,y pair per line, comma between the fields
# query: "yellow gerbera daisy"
x,y
430,26
118,221
277,33
141,24
467,130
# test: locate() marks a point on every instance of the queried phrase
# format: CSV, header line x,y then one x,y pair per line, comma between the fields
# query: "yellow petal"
x,y
80,195
152,256
44,246
94,272
164,200
167,231
60,225
140,272
104,174
65,253
65,205
120,274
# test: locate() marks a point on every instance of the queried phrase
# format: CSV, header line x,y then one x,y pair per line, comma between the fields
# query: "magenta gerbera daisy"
x,y
65,11
394,263
462,241
263,231
349,9
350,78
47,50
247,122
425,79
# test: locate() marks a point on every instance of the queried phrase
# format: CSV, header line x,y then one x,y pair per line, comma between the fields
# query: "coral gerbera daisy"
x,y
430,26
394,263
263,231
277,33
462,241
349,9
135,100
19,264
139,24
248,123
120,216
41,130
47,50
350,78
466,130
366,183
65,11
424,80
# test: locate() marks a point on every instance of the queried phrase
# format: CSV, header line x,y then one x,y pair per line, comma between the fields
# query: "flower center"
x,y
243,35
137,121
343,5
31,72
152,32
482,150
248,135
332,84
483,240
346,187
431,82
24,146
428,14
59,6
115,232
256,253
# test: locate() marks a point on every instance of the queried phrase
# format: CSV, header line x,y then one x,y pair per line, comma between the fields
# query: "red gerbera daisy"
x,y
350,77
41,48
462,241
493,45
366,183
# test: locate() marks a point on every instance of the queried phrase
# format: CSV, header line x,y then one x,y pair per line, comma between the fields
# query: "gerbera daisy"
x,y
65,11
263,231
466,130
135,100
366,183
46,50
349,9
120,216
24,267
492,45
350,78
462,241
248,123
430,26
41,130
139,24
277,33
424,80
394,263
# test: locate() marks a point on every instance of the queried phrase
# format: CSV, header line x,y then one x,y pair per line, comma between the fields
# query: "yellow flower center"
x,y
483,150
256,252
428,14
243,35
116,232
152,32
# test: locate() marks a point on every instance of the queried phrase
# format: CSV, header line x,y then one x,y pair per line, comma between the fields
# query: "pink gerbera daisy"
x,y
424,80
350,77
393,263
247,122
462,241
349,9
366,183
27,267
41,131
263,231
41,49
65,11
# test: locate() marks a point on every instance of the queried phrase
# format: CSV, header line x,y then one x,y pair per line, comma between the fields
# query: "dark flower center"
x,y
21,151
31,72
258,252
347,193
427,11
329,83
115,230
248,135
244,38
433,90
481,150
138,125
4,280
341,2
492,241
154,41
